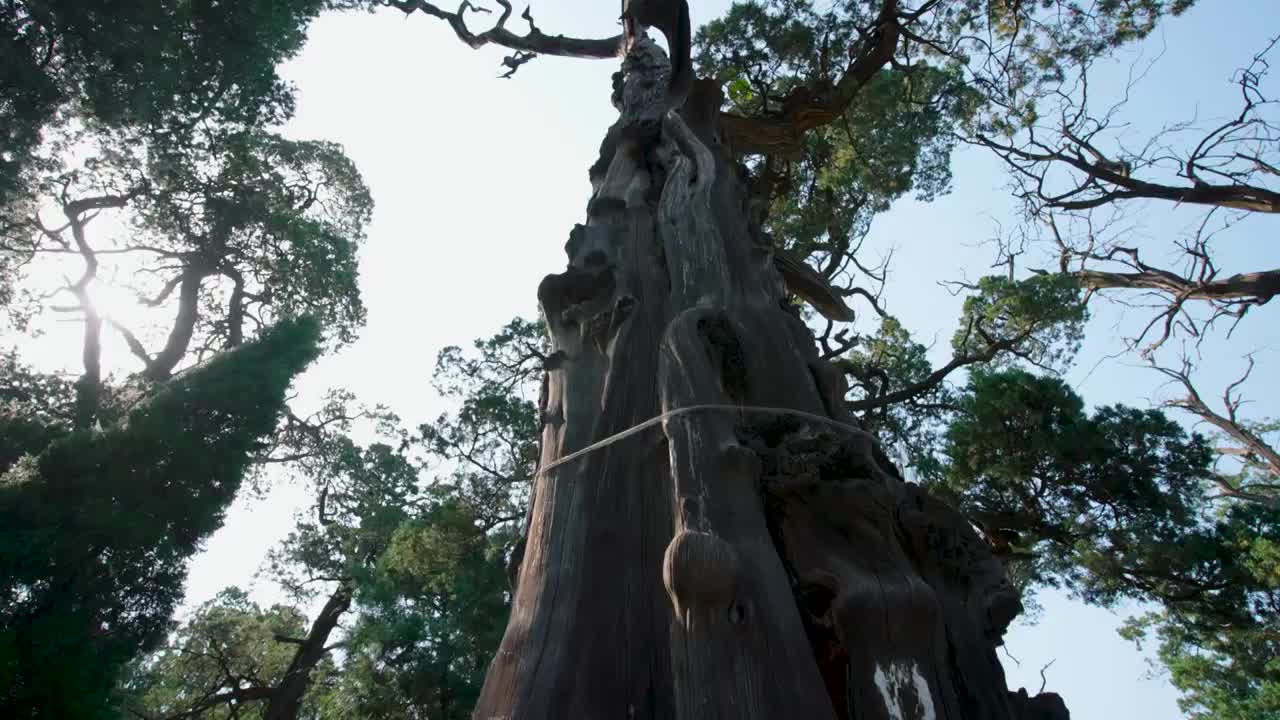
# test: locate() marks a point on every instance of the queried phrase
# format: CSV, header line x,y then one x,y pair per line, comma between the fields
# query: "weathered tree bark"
x,y
733,564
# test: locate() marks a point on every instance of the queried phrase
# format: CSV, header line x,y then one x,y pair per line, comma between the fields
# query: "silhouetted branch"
x,y
535,41
1226,168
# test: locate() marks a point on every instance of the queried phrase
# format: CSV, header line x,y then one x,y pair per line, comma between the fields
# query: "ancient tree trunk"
x,y
740,564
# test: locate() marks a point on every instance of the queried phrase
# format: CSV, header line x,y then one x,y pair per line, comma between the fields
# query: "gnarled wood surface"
x,y
733,565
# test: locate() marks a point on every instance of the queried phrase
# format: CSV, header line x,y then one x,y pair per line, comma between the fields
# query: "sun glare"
x,y
113,302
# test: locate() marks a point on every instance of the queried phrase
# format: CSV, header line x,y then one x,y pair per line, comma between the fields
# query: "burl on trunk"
x,y
727,564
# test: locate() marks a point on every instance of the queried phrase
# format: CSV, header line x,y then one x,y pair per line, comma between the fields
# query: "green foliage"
x,y
1091,499
35,410
896,138
433,616
283,217
1219,637
1114,505
368,492
894,142
1041,319
508,361
421,526
892,361
906,401
227,642
261,227
762,50
490,443
115,515
165,126
434,607
1015,52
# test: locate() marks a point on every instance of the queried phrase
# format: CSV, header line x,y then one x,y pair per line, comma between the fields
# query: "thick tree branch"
x,y
89,386
535,41
1256,288
288,640
100,202
135,345
235,308
184,324
286,701
164,293
238,696
1098,264
782,134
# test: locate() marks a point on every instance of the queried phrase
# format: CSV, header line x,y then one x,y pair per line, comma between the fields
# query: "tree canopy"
x,y
140,141
164,66
412,535
101,589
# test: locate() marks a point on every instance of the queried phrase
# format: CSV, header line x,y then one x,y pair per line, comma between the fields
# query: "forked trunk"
x,y
736,563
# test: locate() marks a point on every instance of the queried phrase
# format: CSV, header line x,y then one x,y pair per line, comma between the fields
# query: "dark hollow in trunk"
x,y
733,565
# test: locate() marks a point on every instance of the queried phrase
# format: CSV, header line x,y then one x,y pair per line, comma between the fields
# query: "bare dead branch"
x,y
1228,167
1103,183
1044,681
1253,288
1253,446
513,63
535,41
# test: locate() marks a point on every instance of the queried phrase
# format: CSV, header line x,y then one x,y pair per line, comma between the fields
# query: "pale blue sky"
x,y
477,182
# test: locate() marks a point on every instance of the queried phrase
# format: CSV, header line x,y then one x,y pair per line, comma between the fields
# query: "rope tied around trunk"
x,y
743,409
